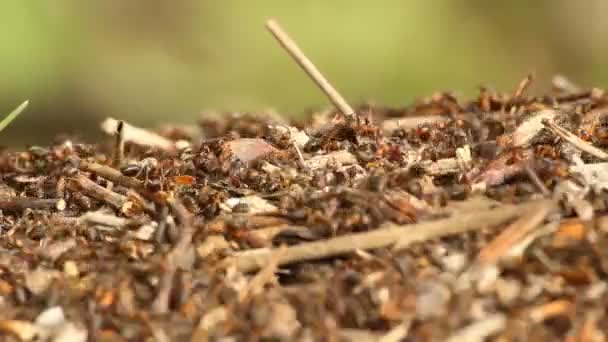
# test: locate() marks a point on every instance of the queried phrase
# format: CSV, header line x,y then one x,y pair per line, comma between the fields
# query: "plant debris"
x,y
443,220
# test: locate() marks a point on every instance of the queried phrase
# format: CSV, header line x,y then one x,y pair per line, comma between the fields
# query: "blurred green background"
x,y
155,61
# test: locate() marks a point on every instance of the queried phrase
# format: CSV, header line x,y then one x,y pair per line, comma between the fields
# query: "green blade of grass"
x,y
12,115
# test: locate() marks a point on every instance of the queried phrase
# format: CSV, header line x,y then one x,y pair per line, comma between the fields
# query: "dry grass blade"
x,y
401,236
311,70
13,115
575,141
21,203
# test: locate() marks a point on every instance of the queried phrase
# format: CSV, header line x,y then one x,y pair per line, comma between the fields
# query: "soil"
x,y
444,220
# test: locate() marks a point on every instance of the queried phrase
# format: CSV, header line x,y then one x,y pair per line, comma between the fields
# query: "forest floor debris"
x,y
444,220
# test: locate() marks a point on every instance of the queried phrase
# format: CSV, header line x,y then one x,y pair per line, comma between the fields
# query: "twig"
x,y
97,191
400,235
160,305
161,230
341,157
297,148
176,257
411,122
184,243
119,144
310,69
136,188
18,204
137,135
523,85
184,217
575,141
537,181
515,233
112,175
106,219
266,275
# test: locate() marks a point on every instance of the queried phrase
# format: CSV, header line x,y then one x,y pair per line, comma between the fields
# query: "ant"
x,y
146,167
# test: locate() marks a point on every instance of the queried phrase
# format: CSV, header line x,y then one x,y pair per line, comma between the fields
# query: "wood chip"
x,y
515,233
248,149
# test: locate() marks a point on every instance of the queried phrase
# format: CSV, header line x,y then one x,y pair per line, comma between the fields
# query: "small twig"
x,y
136,189
537,181
184,217
411,122
515,233
112,175
299,153
18,204
95,218
137,135
102,218
97,191
160,305
186,221
119,144
575,141
340,157
523,85
292,48
161,230
176,256
266,275
400,235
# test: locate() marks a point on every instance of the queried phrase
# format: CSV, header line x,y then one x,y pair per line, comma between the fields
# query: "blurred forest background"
x,y
155,61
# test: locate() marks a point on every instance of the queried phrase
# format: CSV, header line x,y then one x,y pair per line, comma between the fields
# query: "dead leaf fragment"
x,y
528,129
247,149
